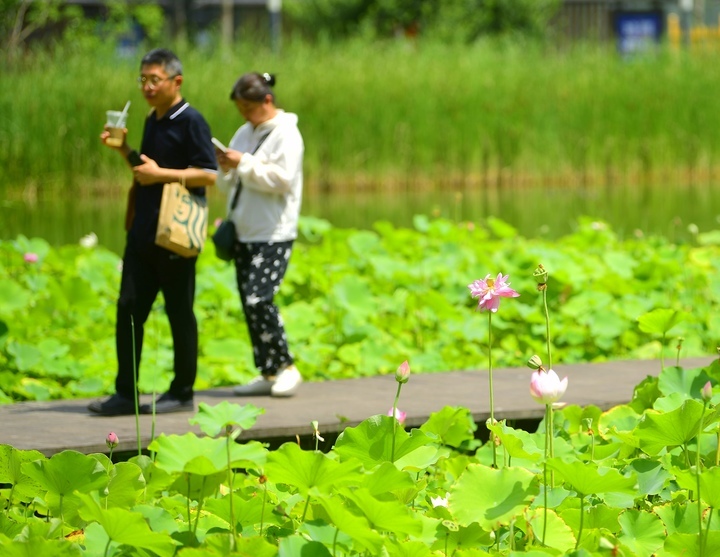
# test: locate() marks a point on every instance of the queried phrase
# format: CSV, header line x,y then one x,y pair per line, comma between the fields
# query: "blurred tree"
x,y
22,19
451,20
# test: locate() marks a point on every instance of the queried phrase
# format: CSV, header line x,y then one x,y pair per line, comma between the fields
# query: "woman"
x,y
264,160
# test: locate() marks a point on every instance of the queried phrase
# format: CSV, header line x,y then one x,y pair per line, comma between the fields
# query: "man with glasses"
x,y
176,147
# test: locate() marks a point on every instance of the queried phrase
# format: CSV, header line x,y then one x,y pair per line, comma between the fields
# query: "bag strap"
x,y
238,189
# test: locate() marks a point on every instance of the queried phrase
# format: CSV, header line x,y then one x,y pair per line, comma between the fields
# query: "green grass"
x,y
391,114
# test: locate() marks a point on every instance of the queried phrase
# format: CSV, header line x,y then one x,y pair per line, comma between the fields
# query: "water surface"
x,y
550,212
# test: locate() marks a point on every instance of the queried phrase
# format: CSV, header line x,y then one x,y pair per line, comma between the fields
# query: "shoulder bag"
x,y
225,237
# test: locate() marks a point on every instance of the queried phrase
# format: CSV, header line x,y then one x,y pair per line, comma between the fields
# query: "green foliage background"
x,y
459,21
379,112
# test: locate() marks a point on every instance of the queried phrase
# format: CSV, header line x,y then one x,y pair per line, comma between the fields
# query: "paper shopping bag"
x,y
182,223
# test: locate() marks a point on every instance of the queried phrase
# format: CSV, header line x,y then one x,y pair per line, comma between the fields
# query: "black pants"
x,y
147,270
260,268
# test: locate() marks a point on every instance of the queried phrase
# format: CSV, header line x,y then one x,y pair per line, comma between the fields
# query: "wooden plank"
x,y
51,427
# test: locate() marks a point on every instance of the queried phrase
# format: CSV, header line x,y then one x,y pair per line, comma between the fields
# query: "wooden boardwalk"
x,y
51,427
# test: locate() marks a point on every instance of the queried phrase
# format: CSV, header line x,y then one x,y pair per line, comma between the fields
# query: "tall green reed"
x,y
389,113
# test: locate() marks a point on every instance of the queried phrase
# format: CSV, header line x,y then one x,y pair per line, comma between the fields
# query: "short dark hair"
x,y
165,58
253,86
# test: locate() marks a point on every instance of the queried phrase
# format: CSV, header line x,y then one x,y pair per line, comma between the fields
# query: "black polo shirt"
x,y
180,139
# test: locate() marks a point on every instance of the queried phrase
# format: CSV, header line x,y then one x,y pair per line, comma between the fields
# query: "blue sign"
x,y
637,31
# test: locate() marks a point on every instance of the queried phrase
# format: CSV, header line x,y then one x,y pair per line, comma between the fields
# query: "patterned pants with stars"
x,y
260,268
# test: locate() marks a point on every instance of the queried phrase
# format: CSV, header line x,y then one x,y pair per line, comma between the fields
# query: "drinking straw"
x,y
123,114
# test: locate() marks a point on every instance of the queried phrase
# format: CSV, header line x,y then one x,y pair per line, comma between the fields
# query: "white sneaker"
x,y
260,386
287,382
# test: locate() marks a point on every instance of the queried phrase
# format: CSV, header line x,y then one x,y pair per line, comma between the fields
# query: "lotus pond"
x,y
641,479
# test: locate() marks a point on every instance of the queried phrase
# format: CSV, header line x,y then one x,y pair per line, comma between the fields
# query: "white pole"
x,y
274,8
227,26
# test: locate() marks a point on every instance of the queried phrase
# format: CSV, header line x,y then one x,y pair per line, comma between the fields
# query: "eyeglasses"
x,y
152,82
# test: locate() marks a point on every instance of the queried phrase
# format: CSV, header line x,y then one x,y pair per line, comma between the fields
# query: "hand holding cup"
x,y
115,131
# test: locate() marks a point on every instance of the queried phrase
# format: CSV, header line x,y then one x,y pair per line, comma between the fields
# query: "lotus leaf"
x,y
204,456
491,497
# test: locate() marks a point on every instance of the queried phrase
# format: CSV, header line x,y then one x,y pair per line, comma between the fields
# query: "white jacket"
x,y
272,180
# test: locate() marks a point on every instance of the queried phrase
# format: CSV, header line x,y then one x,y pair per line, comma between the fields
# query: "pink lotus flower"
x,y
30,257
402,374
112,440
546,387
489,291
399,414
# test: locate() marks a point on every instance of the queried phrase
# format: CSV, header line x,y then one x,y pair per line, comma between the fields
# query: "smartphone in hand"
x,y
134,158
219,145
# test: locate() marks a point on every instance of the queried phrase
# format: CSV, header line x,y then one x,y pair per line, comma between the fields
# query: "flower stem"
x,y
200,504
707,530
492,399
395,421
582,519
188,505
305,510
135,386
230,487
662,353
551,429
698,464
547,328
262,511
545,475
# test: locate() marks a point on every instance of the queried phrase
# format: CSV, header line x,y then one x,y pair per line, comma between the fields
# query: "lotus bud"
x,y
402,375
546,387
316,431
112,440
707,392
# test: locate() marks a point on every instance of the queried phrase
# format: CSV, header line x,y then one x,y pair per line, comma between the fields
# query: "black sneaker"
x,y
167,403
115,405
